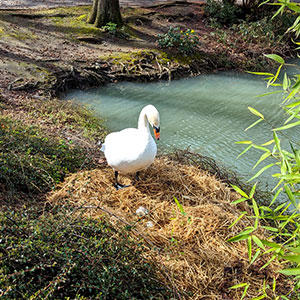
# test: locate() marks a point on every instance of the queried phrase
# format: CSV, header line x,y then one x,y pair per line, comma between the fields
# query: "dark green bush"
x,y
225,13
31,161
58,256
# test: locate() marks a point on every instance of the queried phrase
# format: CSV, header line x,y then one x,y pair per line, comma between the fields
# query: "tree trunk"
x,y
107,11
93,13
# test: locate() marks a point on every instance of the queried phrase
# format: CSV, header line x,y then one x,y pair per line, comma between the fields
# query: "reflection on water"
x,y
206,114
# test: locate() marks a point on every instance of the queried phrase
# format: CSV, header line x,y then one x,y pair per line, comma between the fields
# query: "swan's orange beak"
x,y
156,133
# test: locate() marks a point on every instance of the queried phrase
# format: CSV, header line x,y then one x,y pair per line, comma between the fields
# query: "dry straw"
x,y
188,240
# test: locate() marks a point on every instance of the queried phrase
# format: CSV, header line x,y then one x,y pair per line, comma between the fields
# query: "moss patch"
x,y
74,22
14,32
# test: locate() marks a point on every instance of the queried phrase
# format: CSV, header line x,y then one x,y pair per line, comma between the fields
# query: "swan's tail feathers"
x,y
102,146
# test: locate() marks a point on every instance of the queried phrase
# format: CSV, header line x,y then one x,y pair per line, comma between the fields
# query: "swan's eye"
x,y
157,129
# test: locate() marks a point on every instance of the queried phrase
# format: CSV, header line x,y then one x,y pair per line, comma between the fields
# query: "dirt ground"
x,y
40,4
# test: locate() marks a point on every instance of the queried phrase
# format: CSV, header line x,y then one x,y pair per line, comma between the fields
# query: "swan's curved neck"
x,y
143,123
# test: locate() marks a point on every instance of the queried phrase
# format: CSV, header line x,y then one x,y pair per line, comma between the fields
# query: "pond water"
x,y
206,114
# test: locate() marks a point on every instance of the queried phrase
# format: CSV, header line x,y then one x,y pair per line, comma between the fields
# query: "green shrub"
x,y
58,256
265,30
183,41
31,161
110,28
225,13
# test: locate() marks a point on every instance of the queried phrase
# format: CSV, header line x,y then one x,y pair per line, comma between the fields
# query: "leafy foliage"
x,y
280,220
184,41
265,30
57,256
225,13
31,161
111,28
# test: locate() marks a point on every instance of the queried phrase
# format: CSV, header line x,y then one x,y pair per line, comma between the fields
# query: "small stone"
x,y
142,211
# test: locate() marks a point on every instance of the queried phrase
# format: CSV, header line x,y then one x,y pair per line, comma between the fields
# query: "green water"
x,y
206,114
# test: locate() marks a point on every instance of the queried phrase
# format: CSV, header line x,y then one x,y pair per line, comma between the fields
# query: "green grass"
x,y
59,256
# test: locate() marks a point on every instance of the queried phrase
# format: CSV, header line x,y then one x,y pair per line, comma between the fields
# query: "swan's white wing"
x,y
128,150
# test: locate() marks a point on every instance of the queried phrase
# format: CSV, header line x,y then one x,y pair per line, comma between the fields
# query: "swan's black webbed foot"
x,y
117,185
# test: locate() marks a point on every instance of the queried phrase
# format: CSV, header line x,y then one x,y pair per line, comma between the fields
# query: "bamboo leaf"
x,y
255,112
267,94
275,57
237,286
179,206
238,201
287,126
293,104
261,148
279,207
237,238
238,190
252,190
290,194
244,142
294,249
277,142
285,83
270,228
276,76
268,262
293,258
244,151
274,285
294,25
255,256
237,219
255,208
260,73
268,143
290,271
261,171
249,244
253,124
258,242
279,11
262,158
271,244
245,292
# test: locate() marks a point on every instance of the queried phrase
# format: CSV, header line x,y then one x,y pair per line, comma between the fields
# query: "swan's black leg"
x,y
137,176
118,185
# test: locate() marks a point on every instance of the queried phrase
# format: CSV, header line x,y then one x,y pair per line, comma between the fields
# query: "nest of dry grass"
x,y
187,242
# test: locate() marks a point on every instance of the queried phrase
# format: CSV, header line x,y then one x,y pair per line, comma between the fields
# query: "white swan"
x,y
133,149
